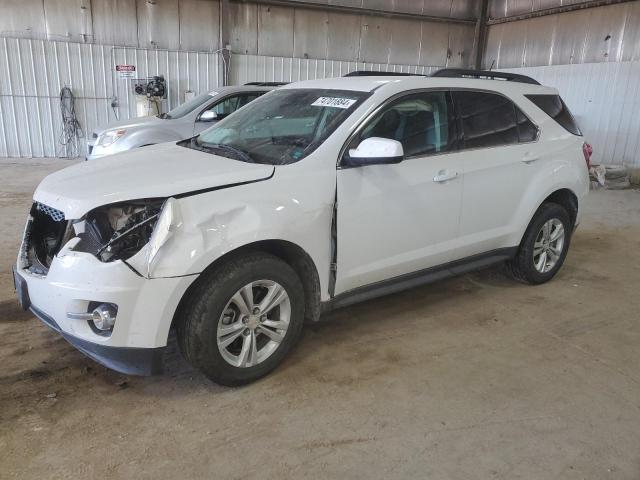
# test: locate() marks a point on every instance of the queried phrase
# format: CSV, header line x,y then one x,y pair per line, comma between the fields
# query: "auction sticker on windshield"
x,y
333,102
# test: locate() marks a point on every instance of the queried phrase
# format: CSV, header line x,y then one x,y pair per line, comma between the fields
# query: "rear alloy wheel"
x,y
548,245
242,318
544,245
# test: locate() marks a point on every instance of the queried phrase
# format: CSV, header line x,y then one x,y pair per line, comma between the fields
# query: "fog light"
x,y
104,316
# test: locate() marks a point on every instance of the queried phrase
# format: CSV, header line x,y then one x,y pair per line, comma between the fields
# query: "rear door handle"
x,y
529,158
444,175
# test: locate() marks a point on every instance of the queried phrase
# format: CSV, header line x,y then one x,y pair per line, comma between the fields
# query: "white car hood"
x,y
162,170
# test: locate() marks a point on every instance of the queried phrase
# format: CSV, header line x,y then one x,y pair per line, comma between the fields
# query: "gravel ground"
x,y
475,377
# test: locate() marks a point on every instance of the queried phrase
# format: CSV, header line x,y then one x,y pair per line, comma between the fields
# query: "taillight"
x,y
587,150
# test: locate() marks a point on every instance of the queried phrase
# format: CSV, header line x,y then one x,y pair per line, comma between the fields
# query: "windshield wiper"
x,y
241,154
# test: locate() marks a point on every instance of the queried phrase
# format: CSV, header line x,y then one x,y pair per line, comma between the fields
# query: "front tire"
x,y
242,319
544,245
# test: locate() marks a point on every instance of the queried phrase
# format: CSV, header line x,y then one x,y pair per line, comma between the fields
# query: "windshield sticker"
x,y
333,102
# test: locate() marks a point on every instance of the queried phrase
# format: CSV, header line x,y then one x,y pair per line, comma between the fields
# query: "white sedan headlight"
x,y
110,137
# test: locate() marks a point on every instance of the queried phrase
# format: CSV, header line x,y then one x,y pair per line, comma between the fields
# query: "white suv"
x,y
314,196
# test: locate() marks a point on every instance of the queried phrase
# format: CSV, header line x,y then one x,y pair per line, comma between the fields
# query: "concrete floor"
x,y
476,377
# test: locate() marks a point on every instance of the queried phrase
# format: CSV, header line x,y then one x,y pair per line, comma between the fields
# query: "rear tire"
x,y
224,334
544,245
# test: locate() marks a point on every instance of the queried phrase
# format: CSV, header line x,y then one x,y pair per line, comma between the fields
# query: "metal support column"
x,y
480,35
225,40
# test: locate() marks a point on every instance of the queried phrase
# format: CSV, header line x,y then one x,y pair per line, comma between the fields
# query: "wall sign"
x,y
126,71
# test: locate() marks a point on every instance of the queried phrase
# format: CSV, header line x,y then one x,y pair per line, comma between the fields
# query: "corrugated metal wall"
x,y
605,99
47,44
166,24
296,32
249,68
32,72
258,29
603,34
591,55
287,44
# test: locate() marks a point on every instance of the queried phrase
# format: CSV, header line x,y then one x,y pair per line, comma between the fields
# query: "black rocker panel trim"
x,y
421,277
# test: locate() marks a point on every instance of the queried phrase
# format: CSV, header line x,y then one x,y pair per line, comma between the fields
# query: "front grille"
x,y
54,213
45,234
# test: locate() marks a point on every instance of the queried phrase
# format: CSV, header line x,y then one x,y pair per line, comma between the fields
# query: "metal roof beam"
x,y
360,11
555,11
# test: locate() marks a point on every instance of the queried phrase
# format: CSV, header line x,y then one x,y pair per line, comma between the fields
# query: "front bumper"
x,y
127,360
145,308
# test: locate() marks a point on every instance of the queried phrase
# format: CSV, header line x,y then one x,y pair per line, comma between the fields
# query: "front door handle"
x,y
444,175
529,158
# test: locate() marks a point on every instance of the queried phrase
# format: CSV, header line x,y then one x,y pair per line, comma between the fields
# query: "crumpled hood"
x,y
162,170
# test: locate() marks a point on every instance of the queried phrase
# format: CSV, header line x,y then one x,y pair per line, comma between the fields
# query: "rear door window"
x,y
553,106
227,106
248,98
487,119
231,104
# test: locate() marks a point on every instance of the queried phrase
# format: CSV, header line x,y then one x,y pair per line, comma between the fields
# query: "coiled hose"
x,y
71,130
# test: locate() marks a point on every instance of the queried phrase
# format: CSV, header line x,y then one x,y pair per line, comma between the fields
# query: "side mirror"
x,y
208,116
375,151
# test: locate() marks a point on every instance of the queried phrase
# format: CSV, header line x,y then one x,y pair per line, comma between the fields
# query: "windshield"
x,y
281,127
189,106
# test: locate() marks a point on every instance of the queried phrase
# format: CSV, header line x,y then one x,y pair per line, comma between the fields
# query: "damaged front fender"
x,y
184,235
215,223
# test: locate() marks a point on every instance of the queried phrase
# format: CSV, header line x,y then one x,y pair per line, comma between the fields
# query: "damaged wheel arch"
x,y
294,255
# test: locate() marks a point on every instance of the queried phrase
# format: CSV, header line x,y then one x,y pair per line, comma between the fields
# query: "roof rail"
x,y
483,74
266,84
371,73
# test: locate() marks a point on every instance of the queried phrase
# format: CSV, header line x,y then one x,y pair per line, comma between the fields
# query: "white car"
x,y
314,196
182,122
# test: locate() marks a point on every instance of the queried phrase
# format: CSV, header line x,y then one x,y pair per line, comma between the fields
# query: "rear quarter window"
x,y
553,106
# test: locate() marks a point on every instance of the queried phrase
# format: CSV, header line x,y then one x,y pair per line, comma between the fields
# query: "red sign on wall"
x,y
126,71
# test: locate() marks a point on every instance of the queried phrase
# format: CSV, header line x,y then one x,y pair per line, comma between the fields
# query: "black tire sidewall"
x,y
526,265
208,302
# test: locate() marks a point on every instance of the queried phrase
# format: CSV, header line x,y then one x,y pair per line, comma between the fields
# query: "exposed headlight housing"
x,y
110,137
118,231
167,222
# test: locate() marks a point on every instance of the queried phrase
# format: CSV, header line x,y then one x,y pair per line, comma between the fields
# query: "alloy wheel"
x,y
548,245
254,323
